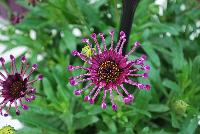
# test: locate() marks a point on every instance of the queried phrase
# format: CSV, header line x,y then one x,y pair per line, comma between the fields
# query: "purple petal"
x,y
23,59
87,98
91,101
94,36
78,92
122,35
25,107
137,44
2,60
70,68
74,52
40,77
72,81
127,100
85,40
103,105
12,57
114,107
140,86
145,75
34,66
148,87
146,68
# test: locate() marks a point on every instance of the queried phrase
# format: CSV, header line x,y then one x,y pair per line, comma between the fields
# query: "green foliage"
x,y
173,56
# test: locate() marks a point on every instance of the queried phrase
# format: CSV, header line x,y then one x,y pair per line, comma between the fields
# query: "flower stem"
x,y
128,11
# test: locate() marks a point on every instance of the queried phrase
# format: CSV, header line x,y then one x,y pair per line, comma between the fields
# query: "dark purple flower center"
x,y
108,71
15,86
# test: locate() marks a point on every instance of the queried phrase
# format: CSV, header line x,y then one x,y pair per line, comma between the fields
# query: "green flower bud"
x,y
180,107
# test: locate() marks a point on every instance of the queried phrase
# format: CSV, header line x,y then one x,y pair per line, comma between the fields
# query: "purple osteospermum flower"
x,y
15,19
32,2
108,70
16,85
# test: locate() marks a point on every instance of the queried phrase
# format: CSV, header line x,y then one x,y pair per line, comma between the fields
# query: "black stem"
x,y
128,11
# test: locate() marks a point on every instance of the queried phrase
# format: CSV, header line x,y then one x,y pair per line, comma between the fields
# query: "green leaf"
x,y
48,90
90,13
196,68
69,39
85,121
152,55
157,28
178,55
171,85
26,130
189,126
158,108
110,123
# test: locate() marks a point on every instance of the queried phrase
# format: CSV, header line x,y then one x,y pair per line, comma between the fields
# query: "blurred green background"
x,y
169,38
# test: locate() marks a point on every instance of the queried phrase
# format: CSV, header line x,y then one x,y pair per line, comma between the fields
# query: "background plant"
x,y
171,42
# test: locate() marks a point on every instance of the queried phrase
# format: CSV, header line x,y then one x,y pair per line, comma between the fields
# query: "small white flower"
x,y
54,32
168,34
93,1
198,31
119,5
198,117
18,31
193,35
109,15
76,32
162,3
162,6
198,23
184,28
33,34
62,34
182,7
40,57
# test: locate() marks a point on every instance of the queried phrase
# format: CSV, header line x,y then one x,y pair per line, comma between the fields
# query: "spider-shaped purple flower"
x,y
109,69
15,86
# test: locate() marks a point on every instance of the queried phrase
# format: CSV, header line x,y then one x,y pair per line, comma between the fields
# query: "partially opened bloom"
x,y
16,86
108,70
